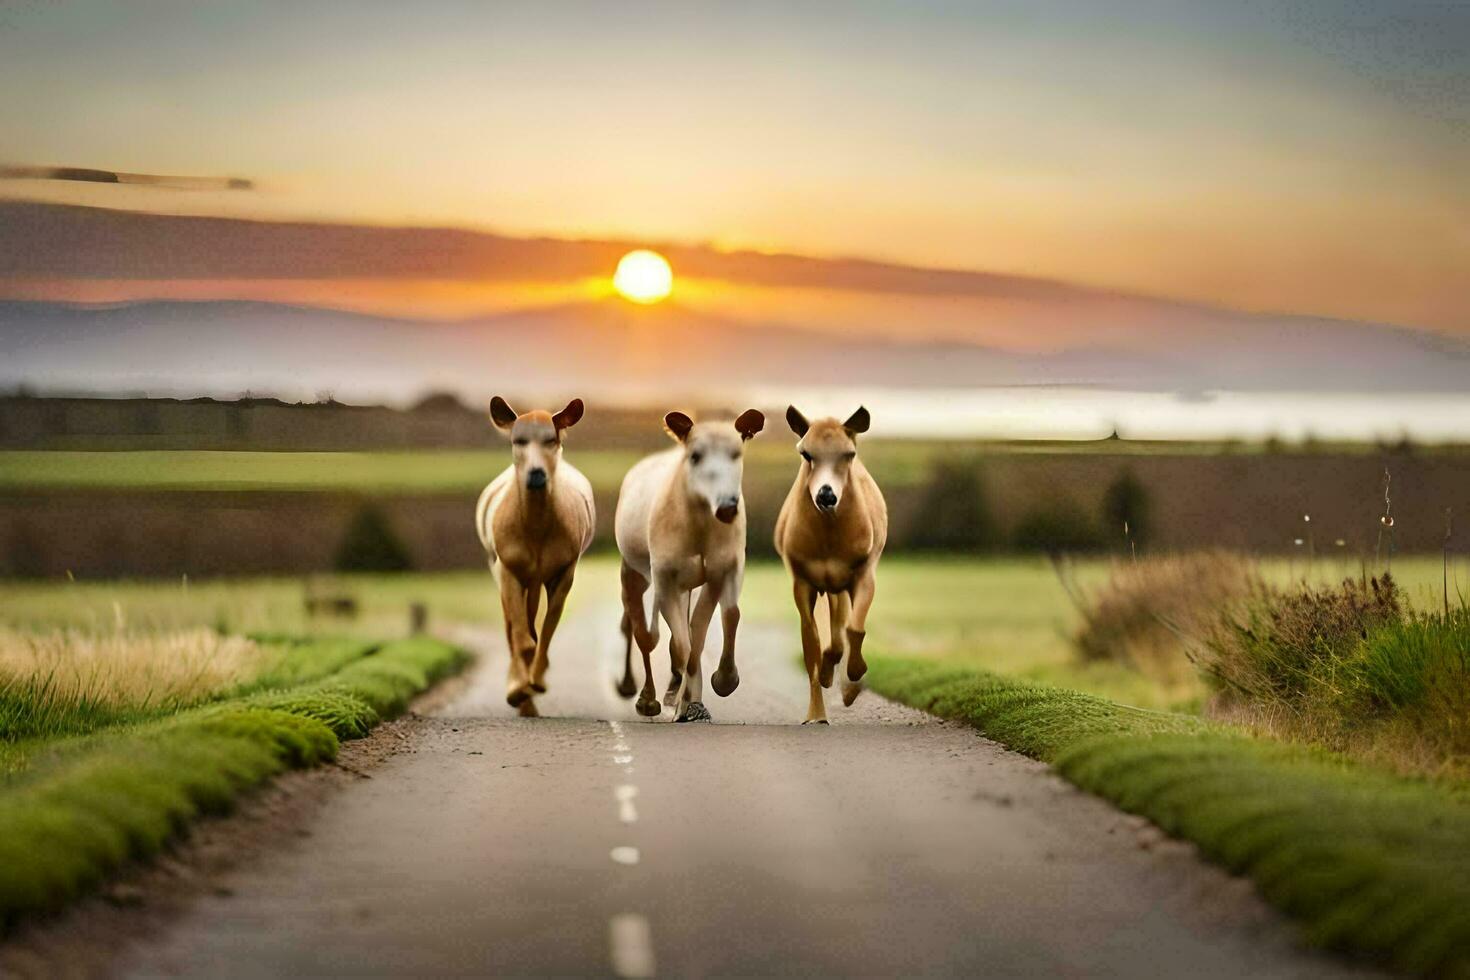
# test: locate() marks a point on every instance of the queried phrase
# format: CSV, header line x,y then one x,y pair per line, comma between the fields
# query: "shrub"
x,y
1126,503
1291,642
1056,527
1412,678
1348,667
370,545
1146,612
954,511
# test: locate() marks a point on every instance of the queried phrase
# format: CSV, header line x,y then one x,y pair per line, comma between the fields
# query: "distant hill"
x,y
919,327
606,348
62,240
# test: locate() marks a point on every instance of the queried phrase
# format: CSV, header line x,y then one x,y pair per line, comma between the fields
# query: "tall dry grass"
x,y
1147,613
1350,666
60,680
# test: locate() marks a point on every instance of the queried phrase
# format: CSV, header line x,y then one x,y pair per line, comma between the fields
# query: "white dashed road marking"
x,y
627,812
630,941
631,945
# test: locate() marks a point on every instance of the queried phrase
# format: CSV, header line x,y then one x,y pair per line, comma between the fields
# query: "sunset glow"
x,y
1262,158
643,276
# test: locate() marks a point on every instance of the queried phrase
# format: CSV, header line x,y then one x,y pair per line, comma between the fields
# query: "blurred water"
x,y
1081,413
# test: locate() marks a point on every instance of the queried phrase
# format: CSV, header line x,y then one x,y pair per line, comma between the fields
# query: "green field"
x,y
448,471
1009,615
374,472
770,457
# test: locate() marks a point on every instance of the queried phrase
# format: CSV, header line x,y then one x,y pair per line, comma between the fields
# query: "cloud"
x,y
92,175
67,241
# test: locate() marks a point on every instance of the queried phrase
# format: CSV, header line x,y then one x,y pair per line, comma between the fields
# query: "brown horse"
x,y
535,520
830,533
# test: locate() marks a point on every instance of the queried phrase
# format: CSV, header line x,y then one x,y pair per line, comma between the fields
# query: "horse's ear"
x,y
568,416
797,421
750,423
501,413
677,424
858,421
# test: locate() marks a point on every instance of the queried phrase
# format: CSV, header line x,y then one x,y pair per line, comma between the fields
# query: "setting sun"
x,y
643,276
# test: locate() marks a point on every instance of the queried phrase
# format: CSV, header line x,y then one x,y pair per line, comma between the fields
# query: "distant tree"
x,y
370,545
954,510
1126,501
440,401
1055,527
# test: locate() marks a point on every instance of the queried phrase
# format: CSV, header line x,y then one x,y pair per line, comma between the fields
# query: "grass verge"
x,y
1370,863
72,819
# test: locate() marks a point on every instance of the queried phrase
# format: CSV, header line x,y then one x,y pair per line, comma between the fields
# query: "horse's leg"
x,y
518,638
838,608
556,591
634,588
857,630
811,649
691,698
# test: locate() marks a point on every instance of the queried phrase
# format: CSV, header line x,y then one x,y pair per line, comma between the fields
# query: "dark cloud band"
x,y
91,175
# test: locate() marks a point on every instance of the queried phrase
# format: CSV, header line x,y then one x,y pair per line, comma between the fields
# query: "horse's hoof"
x,y
830,660
516,696
725,684
694,711
528,709
539,687
671,698
626,688
850,693
649,708
816,721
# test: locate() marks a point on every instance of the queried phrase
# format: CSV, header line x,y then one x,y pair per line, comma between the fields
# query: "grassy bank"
x,y
75,807
1368,862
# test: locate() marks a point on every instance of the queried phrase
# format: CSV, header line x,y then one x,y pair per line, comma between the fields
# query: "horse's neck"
x,y
538,509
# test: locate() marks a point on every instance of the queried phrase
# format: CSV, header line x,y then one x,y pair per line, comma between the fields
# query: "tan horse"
x,y
681,526
830,533
535,520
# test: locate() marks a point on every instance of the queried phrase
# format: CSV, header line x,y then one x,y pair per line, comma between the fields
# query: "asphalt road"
x,y
593,842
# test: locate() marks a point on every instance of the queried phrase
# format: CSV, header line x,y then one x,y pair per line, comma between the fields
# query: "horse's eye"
x,y
519,441
549,443
806,455
695,458
735,454
849,456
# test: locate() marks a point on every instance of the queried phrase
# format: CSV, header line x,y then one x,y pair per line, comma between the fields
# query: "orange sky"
x,y
1308,160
